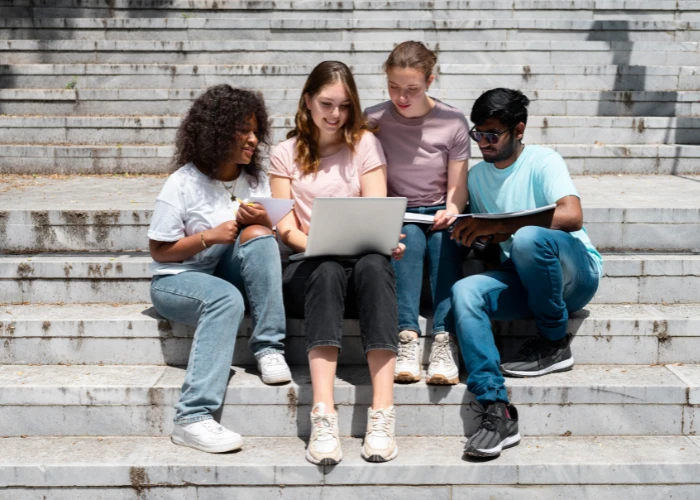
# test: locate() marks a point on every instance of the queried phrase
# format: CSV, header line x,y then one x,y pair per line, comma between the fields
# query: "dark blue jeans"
x,y
548,275
444,266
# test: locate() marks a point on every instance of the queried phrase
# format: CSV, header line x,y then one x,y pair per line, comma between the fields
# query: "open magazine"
x,y
429,219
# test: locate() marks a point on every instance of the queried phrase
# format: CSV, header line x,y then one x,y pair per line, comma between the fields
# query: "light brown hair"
x,y
412,55
305,130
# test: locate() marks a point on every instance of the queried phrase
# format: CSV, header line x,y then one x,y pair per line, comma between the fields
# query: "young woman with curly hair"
x,y
211,252
332,152
427,147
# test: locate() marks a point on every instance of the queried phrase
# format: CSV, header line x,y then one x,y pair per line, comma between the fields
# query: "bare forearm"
x,y
561,219
177,251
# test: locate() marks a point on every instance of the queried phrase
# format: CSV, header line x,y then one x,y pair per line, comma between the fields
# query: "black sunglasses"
x,y
491,137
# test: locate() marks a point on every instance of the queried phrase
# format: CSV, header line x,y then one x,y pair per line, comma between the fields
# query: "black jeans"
x,y
324,290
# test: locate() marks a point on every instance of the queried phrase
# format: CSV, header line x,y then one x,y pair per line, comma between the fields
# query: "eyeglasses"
x,y
491,137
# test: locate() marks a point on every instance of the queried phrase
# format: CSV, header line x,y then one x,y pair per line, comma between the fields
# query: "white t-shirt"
x,y
189,203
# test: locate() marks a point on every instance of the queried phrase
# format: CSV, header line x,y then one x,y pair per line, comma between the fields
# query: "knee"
x,y
413,231
327,276
373,266
226,299
255,231
527,240
467,294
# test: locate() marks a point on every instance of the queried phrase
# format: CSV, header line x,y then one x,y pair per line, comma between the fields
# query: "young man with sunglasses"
x,y
548,265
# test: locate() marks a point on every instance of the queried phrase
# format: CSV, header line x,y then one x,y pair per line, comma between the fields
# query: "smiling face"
x,y
407,91
330,108
246,142
507,143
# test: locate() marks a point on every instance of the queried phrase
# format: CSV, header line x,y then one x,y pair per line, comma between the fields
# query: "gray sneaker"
x,y
498,430
539,356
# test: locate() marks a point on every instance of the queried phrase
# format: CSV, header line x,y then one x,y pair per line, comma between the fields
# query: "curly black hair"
x,y
208,131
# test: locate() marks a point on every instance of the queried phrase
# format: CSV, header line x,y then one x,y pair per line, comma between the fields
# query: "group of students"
x,y
213,253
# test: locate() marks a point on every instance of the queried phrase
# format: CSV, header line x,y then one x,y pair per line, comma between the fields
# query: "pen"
x,y
244,202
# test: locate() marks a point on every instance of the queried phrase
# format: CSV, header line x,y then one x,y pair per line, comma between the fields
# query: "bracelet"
x,y
202,238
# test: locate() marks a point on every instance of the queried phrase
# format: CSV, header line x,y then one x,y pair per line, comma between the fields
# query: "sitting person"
x,y
210,252
331,152
426,143
549,266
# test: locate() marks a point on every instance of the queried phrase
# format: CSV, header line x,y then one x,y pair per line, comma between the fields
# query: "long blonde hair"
x,y
306,132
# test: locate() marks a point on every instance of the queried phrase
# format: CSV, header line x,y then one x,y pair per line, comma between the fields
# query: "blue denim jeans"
x,y
548,275
444,267
215,305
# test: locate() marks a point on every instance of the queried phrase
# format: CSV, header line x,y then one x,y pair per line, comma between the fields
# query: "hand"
x,y
442,221
397,253
224,234
248,215
468,229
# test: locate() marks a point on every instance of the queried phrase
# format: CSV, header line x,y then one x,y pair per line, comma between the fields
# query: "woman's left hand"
x,y
248,215
397,253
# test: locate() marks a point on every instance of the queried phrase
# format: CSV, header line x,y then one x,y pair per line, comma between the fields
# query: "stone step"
x,y
165,102
605,468
95,130
326,26
582,159
226,51
134,334
81,213
502,9
591,400
528,77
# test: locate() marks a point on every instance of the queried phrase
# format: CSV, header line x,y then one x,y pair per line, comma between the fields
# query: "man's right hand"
x,y
223,234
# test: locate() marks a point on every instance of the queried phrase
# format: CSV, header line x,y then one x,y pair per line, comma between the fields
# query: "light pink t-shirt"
x,y
338,175
418,149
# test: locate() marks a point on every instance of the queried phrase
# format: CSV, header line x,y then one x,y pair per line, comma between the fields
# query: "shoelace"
x,y
273,359
323,425
489,420
530,349
441,352
381,422
213,426
407,351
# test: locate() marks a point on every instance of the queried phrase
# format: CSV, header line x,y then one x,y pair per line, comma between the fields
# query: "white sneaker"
x,y
444,364
408,358
380,444
274,369
324,444
206,435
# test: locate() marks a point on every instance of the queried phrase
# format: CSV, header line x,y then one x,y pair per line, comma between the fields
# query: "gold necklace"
x,y
233,188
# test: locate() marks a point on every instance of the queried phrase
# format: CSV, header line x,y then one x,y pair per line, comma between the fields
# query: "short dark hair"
x,y
208,131
507,105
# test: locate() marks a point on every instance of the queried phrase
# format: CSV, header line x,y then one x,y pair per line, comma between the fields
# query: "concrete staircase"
x,y
93,90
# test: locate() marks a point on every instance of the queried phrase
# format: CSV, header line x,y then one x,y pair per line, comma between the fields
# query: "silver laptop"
x,y
349,227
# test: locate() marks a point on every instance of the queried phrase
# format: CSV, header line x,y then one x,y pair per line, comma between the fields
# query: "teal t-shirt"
x,y
538,178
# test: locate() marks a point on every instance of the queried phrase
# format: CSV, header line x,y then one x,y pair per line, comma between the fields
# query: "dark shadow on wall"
x,y
634,78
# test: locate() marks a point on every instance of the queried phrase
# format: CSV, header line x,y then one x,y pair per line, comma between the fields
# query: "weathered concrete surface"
x,y
111,213
134,334
143,462
42,159
98,400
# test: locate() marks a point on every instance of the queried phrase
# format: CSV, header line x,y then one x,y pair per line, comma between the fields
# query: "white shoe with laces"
x,y
206,435
380,444
444,361
274,369
408,358
324,444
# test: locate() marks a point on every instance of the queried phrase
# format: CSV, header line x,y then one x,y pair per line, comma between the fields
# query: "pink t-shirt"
x,y
418,149
338,175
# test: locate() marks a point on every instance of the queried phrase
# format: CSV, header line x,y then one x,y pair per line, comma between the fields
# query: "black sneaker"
x,y
498,430
539,356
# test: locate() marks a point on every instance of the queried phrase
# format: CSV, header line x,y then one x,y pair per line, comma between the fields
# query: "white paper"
x,y
418,218
276,208
508,215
